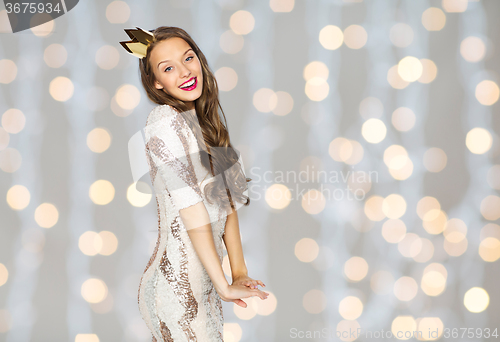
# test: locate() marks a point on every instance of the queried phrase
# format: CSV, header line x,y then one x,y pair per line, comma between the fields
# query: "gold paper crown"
x,y
139,43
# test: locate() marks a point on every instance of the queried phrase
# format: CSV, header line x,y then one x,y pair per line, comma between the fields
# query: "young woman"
x,y
182,286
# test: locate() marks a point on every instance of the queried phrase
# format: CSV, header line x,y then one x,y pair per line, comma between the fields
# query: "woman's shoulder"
x,y
160,112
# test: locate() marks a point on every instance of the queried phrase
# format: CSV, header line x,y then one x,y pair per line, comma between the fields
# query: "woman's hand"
x,y
247,281
234,293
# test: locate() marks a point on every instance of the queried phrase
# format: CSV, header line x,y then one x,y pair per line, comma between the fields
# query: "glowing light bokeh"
x,y
476,299
314,301
473,49
8,71
18,197
331,37
356,269
46,215
99,140
94,290
102,192
433,19
278,196
355,36
117,12
306,250
242,22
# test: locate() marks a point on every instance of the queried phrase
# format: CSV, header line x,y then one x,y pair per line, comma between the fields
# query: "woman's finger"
x,y
240,303
260,293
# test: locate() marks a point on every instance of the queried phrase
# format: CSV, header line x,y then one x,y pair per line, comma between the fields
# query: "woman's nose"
x,y
185,71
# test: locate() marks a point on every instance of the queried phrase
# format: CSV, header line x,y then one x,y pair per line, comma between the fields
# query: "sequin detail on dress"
x,y
186,172
176,297
180,284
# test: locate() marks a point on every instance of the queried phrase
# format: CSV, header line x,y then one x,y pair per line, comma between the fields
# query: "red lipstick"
x,y
193,86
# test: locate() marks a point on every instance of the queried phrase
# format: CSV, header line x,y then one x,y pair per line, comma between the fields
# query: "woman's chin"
x,y
190,97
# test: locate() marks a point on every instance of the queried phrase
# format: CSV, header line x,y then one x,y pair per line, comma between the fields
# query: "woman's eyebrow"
x,y
166,60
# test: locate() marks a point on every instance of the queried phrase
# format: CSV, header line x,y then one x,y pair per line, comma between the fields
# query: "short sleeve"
x,y
170,150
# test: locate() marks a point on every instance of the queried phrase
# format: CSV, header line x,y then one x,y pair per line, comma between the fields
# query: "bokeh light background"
x,y
398,97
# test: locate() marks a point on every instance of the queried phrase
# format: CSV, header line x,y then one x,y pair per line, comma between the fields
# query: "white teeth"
x,y
189,84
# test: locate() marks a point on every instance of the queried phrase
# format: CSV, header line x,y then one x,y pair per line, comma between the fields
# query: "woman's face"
x,y
175,65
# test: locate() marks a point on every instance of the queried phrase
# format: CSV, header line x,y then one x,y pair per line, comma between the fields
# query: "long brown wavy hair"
x,y
221,158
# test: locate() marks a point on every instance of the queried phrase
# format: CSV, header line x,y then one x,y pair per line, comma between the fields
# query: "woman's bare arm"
x,y
197,222
232,240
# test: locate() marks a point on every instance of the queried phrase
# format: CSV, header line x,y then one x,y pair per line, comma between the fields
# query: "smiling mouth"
x,y
189,85
190,82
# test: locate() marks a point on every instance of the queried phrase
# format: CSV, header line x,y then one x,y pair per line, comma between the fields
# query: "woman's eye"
x,y
186,60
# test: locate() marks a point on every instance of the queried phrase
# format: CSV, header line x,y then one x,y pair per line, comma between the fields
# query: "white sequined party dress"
x,y
176,298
